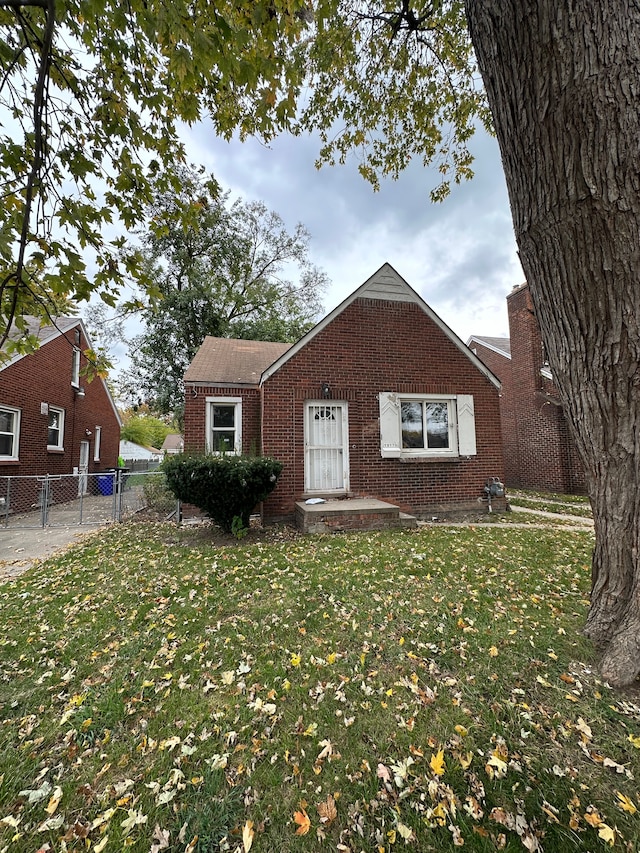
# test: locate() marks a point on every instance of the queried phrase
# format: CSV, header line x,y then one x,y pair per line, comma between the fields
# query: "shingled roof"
x,y
499,345
230,361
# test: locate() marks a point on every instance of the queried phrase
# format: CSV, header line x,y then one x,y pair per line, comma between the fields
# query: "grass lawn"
x,y
416,690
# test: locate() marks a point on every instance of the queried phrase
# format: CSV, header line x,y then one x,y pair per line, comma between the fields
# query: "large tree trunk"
x,y
563,82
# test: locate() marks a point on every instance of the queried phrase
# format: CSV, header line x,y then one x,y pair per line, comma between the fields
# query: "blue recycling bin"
x,y
105,484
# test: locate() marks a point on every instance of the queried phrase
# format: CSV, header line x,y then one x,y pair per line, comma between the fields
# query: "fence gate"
x,y
63,500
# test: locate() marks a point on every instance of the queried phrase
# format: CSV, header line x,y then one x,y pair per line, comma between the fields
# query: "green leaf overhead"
x,y
91,94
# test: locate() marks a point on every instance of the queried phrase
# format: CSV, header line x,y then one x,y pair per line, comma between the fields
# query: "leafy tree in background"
x,y
390,82
228,270
143,428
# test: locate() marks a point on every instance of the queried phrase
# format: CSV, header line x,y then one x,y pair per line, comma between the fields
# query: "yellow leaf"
x,y
331,658
635,741
493,652
304,824
54,801
295,661
437,763
626,803
465,760
405,832
607,834
593,819
247,836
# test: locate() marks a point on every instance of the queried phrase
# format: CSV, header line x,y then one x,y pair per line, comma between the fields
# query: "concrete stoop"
x,y
336,516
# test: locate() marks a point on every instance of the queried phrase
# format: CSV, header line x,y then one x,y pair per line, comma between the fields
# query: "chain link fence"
x,y
71,499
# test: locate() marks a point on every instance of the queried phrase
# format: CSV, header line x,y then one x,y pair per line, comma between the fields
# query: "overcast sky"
x,y
460,255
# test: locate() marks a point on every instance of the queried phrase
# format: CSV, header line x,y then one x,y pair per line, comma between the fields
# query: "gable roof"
x,y
45,334
233,361
500,345
388,285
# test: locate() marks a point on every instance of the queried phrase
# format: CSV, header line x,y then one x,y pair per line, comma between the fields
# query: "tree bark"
x,y
563,82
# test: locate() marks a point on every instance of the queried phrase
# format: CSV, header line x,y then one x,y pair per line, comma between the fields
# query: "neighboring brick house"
x,y
538,450
52,420
380,399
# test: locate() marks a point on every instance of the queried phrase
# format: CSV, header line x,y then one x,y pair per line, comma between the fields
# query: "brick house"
x,y
52,420
538,450
380,399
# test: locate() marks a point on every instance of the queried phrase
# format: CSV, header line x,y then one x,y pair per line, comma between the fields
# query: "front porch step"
x,y
336,516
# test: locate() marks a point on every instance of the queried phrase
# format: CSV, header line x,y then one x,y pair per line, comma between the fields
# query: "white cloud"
x,y
459,255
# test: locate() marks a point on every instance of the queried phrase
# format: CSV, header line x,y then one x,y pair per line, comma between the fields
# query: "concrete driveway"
x,y
24,542
22,548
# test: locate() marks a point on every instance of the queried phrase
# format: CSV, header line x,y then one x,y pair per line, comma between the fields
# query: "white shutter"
x,y
466,426
390,443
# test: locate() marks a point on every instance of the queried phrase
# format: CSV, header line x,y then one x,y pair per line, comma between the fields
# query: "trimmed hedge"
x,y
226,487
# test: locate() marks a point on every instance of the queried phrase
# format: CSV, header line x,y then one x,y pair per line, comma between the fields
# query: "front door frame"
x,y
343,450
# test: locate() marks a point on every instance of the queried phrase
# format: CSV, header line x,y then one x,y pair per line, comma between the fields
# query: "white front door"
x,y
83,468
326,447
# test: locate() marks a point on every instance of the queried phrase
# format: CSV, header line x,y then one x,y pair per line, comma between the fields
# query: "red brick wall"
x,y
500,365
375,346
545,456
45,377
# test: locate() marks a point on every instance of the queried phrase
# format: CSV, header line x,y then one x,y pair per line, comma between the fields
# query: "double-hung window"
x,y
55,430
224,424
9,433
426,425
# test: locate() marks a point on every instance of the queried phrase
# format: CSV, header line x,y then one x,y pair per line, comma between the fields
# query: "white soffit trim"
x,y
388,285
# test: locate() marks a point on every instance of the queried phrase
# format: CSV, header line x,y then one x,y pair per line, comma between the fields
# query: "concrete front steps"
x,y
337,516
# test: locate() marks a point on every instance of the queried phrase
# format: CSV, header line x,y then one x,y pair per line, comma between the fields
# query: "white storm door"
x,y
83,468
326,447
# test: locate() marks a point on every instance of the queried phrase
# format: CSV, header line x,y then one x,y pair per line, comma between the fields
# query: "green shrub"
x,y
226,487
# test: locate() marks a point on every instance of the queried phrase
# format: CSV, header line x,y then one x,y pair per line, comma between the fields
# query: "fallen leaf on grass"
x,y
327,810
303,821
160,839
606,833
51,823
626,803
584,728
247,836
437,763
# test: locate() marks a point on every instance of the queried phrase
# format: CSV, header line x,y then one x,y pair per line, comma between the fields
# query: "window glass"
x,y
96,446
223,439
412,427
55,429
437,420
8,423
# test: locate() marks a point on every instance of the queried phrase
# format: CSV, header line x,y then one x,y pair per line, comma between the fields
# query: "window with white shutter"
x,y
436,425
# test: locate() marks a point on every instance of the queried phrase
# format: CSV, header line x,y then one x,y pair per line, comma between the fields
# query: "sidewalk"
x,y
22,548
